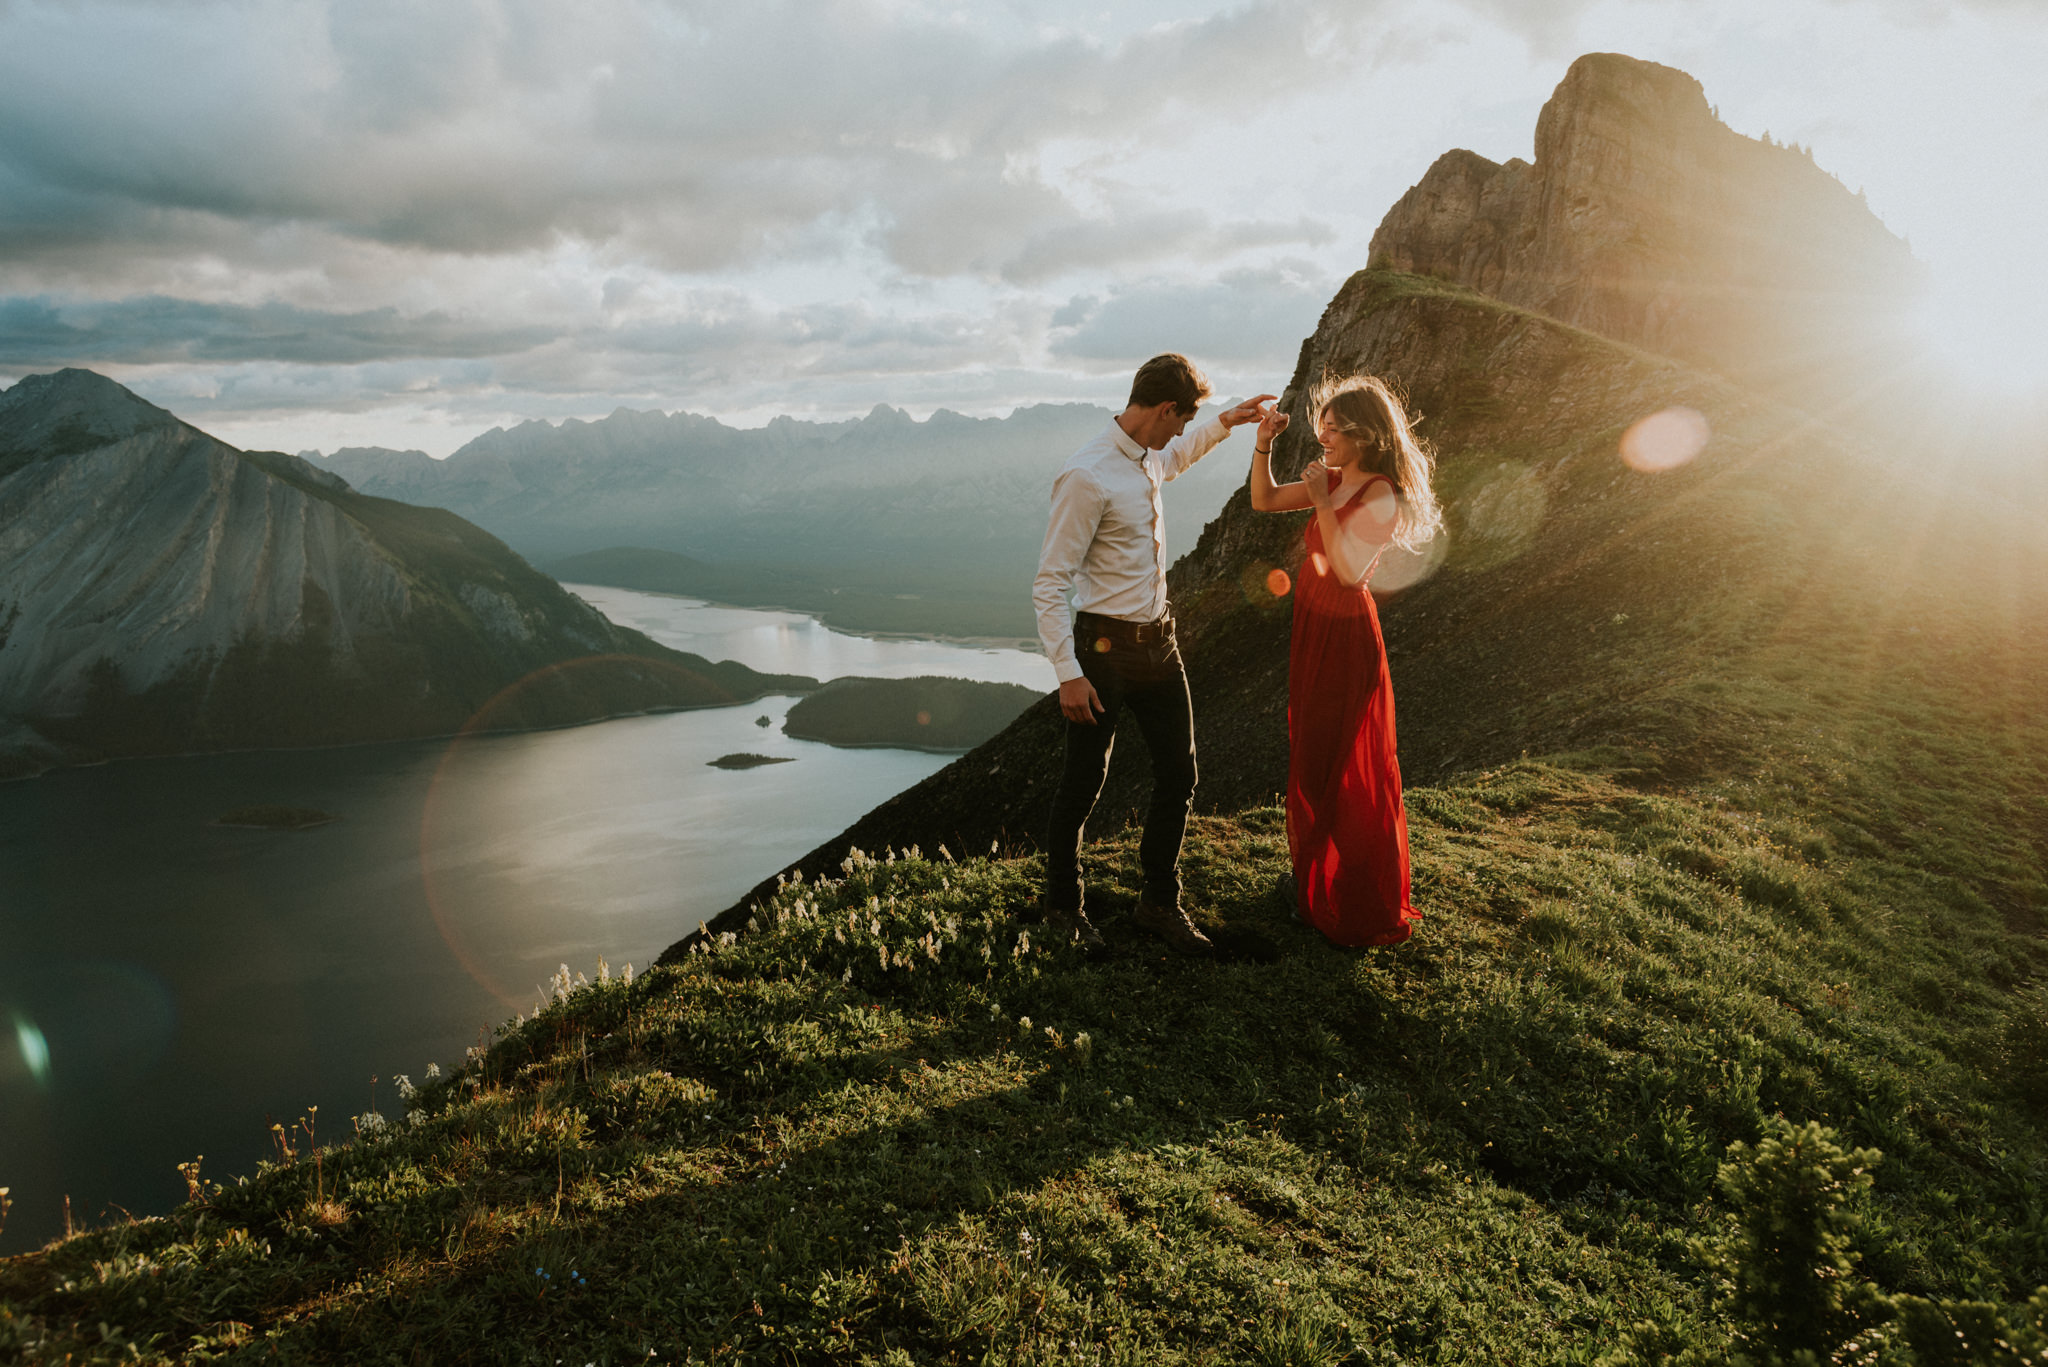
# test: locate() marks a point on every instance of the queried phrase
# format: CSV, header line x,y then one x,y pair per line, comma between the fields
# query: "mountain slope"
x,y
160,591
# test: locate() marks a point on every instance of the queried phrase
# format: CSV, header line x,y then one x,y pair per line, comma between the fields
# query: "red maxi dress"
x,y
1345,826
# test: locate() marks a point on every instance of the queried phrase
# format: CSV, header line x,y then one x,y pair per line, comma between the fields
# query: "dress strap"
x,y
1359,492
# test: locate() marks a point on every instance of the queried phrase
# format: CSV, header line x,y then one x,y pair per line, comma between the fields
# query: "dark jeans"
x,y
1148,680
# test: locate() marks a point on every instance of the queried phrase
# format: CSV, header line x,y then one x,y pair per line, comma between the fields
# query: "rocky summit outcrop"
x,y
163,591
1646,219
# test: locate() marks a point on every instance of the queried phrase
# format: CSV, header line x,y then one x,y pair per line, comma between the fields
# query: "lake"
x,y
169,986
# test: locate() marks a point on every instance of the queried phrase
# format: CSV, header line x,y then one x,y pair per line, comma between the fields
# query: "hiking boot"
x,y
1170,923
1073,923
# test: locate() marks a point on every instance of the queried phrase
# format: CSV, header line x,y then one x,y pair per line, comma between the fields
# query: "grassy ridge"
x,y
1497,1143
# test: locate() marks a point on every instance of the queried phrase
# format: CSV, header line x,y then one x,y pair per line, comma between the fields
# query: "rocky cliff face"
x,y
1646,219
162,590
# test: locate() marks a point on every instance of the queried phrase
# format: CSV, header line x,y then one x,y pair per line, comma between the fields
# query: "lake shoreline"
x,y
1017,643
748,701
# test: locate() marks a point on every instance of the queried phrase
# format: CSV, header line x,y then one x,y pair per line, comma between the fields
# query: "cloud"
x,y
1246,317
44,332
697,135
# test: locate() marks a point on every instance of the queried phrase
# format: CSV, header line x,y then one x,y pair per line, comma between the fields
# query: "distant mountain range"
x,y
881,522
161,591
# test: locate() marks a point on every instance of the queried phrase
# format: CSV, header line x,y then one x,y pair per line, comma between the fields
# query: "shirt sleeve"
x,y
1076,513
1189,447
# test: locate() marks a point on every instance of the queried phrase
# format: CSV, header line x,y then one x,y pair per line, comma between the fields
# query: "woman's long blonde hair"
x,y
1367,409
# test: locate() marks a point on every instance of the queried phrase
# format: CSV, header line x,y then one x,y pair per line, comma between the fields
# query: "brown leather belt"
x,y
1089,625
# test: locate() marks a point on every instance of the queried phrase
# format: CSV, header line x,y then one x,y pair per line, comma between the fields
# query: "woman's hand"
x,y
1316,479
1272,422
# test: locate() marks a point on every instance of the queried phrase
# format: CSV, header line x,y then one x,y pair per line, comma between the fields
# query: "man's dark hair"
x,y
1171,378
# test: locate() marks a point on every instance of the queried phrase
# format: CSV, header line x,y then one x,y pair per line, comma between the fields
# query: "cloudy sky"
x,y
311,224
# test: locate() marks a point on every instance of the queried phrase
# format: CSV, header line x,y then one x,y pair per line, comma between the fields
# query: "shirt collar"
x,y
1126,443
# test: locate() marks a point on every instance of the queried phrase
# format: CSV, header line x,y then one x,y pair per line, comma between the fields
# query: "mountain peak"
x,y
1646,219
73,410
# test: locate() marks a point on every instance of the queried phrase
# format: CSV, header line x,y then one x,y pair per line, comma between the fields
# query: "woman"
x,y
1345,827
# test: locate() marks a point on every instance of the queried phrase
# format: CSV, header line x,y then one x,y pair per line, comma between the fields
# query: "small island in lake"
x,y
747,761
275,818
925,713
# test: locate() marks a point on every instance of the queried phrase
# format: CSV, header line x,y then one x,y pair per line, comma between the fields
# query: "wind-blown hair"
x,y
1367,409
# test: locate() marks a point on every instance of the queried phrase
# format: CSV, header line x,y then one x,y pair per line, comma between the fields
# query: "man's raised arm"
x,y
1189,447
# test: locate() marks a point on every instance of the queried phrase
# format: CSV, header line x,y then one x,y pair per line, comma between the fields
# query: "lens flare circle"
x,y
1403,569
1665,440
35,1050
1278,584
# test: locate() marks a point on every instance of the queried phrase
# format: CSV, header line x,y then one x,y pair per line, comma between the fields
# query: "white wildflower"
x,y
433,1071
405,1087
1084,1048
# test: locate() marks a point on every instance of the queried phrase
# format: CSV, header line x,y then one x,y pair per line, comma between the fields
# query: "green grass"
x,y
1497,1143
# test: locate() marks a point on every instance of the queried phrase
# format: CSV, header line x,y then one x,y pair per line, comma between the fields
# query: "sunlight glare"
x,y
1991,334
1665,440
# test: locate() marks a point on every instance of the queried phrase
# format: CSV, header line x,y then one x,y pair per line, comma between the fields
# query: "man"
x,y
1106,542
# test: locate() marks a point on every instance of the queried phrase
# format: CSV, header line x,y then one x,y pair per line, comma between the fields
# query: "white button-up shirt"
x,y
1106,539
